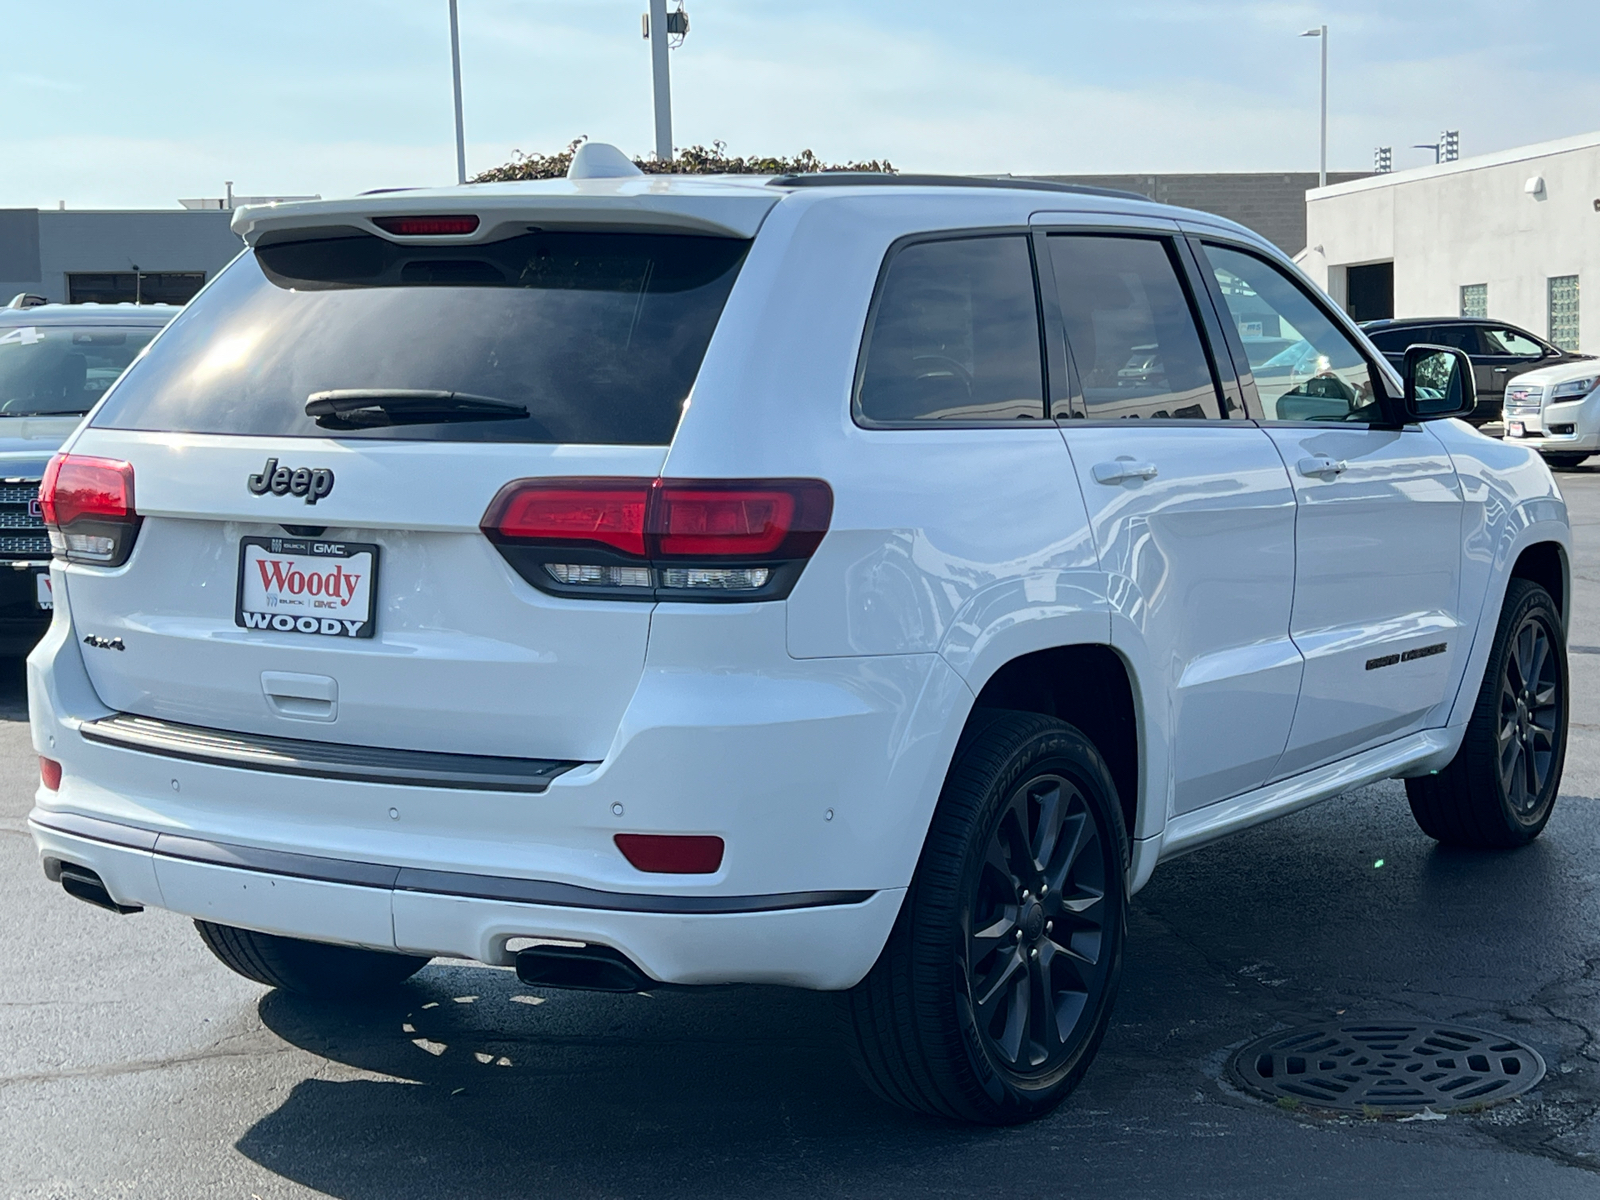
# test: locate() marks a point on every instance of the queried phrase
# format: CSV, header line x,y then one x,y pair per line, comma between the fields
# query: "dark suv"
x,y
56,361
1499,352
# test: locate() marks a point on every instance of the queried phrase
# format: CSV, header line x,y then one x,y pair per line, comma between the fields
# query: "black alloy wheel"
x,y
1034,926
1532,716
998,980
1499,790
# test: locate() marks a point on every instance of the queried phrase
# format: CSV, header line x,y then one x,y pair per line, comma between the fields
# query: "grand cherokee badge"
x,y
311,483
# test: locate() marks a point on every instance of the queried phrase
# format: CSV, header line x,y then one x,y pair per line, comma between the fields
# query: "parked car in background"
x,y
1499,352
56,361
1557,410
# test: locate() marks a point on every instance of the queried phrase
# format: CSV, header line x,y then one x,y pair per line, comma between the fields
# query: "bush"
x,y
691,160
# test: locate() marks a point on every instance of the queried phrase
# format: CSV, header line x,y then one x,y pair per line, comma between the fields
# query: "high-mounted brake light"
x,y
427,226
88,510
678,539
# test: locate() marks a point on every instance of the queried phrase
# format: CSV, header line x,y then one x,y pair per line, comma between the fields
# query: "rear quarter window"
x,y
954,336
599,336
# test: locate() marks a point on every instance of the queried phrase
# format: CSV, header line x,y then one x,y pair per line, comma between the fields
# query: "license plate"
x,y
303,585
45,598
1515,429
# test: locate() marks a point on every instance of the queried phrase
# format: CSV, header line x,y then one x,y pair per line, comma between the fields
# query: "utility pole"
x,y
455,67
659,77
1322,32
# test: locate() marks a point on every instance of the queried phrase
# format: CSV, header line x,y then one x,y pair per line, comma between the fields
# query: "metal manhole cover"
x,y
1392,1067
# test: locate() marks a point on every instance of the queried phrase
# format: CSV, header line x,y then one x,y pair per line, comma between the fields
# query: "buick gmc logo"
x,y
36,508
311,482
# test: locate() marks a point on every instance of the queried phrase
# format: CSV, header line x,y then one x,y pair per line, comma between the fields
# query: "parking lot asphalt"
x,y
132,1064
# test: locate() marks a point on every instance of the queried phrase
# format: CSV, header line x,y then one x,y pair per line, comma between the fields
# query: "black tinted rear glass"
x,y
598,335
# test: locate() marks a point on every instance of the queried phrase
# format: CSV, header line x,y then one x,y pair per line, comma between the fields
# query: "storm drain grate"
x,y
1392,1067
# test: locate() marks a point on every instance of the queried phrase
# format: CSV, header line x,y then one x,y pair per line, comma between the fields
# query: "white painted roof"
x,y
1582,141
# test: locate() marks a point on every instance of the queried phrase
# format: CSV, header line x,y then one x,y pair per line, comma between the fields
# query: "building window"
x,y
1564,311
1475,300
126,287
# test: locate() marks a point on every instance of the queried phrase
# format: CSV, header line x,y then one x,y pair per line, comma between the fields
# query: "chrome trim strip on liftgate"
x,y
324,760
417,879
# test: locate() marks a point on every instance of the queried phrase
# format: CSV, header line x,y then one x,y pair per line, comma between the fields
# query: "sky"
x,y
135,103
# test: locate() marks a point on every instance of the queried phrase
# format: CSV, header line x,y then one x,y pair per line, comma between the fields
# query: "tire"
x,y
1491,797
949,1021
1563,462
316,969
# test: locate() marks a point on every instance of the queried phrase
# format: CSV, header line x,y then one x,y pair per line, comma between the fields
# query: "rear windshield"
x,y
62,370
598,336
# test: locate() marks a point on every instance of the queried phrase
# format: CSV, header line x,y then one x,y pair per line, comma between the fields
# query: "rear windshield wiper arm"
x,y
367,408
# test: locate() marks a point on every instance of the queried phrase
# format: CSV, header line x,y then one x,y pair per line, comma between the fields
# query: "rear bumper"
x,y
820,776
793,939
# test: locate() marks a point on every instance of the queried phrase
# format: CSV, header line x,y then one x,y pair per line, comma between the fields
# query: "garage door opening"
x,y
127,287
1369,291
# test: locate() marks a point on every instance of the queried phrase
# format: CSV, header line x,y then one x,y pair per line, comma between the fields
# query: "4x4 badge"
x,y
311,482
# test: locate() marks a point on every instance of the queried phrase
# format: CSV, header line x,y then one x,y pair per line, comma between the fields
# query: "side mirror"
x,y
1438,383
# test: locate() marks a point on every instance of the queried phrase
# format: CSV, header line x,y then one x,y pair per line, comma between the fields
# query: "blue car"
x,y
56,361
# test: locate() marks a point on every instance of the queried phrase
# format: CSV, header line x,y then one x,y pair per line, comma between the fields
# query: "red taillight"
x,y
87,504
671,853
694,539
50,773
696,522
76,485
427,226
610,512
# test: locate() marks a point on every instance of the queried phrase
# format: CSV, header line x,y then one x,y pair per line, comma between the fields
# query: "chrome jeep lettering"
x,y
311,483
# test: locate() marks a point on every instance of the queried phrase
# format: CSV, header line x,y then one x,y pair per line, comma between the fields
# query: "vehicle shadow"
x,y
469,1084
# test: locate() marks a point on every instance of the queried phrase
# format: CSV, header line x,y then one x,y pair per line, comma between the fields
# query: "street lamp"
x,y
1321,31
455,67
660,27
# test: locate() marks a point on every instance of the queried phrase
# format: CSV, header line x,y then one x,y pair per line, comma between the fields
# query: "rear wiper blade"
x,y
368,408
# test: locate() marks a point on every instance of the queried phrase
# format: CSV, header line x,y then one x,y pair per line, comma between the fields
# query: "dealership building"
x,y
1513,236
103,256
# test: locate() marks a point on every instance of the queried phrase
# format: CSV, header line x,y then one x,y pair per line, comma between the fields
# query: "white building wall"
x,y
1471,222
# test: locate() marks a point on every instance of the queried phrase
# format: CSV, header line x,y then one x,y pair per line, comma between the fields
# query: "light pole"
x,y
660,78
455,67
1321,31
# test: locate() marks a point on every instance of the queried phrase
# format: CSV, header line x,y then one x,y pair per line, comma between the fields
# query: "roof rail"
x,y
883,179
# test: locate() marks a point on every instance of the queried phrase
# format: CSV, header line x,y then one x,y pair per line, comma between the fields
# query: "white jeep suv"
x,y
692,581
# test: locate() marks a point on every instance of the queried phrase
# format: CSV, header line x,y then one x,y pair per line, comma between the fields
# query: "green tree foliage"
x,y
691,160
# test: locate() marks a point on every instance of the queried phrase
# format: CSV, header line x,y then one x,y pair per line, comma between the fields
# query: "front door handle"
x,y
1501,370
1123,469
1322,467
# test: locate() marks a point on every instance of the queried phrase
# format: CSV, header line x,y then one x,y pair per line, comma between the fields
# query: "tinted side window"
x,y
1510,342
1131,329
1457,337
1305,367
955,335
1392,341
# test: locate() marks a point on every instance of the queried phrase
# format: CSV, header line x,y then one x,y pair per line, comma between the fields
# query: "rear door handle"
x,y
1123,469
1322,467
